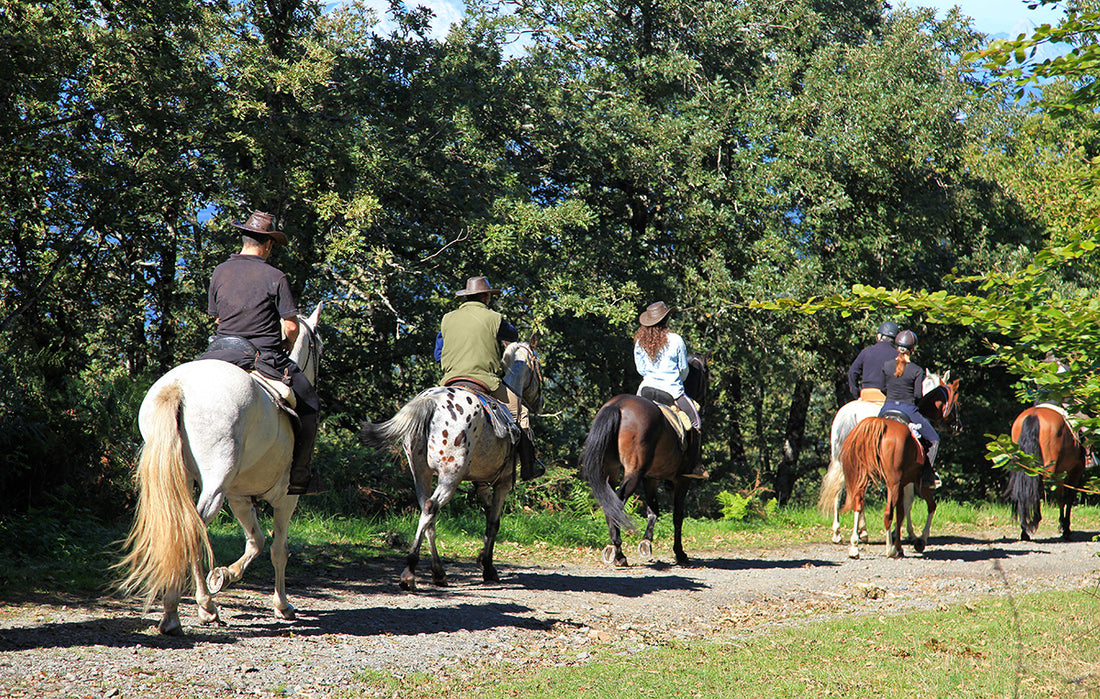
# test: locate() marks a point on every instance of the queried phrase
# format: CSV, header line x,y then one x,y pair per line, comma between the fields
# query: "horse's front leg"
x,y
222,577
645,546
492,497
678,497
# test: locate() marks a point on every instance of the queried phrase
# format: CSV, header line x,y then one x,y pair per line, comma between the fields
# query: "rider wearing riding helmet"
x,y
904,388
865,379
661,358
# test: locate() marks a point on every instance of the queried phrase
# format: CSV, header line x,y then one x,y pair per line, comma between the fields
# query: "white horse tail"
x,y
413,420
831,487
168,538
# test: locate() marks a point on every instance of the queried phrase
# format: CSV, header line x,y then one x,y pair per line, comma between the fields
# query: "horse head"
x,y
941,402
523,371
698,379
306,352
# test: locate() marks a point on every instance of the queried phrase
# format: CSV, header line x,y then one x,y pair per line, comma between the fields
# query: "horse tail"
x,y
861,457
1024,490
168,537
831,487
413,420
601,444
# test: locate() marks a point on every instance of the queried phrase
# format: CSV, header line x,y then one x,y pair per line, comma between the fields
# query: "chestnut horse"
x,y
631,443
1043,431
940,404
883,449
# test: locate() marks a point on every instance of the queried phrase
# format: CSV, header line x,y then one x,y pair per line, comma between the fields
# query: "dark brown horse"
x,y
1044,432
631,443
883,450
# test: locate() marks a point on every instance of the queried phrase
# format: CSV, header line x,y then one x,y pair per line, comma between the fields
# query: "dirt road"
x,y
355,618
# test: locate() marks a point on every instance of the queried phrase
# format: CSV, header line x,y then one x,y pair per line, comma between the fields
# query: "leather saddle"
x,y
504,424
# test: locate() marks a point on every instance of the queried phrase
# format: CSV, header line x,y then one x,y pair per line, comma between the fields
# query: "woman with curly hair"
x,y
661,357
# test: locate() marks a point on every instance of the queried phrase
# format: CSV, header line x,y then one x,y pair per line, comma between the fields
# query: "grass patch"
x,y
1036,646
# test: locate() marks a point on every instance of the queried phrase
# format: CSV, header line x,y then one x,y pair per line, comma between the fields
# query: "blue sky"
x,y
1009,17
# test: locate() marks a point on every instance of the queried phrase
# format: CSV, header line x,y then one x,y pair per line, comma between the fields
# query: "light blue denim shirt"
x,y
669,370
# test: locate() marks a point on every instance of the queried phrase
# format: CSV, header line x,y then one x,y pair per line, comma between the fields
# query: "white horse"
x,y
850,415
209,422
447,431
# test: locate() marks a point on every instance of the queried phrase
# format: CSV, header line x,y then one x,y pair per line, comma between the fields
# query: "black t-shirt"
x,y
906,388
250,297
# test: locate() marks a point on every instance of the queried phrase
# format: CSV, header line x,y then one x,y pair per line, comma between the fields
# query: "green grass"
x,y
44,552
1040,645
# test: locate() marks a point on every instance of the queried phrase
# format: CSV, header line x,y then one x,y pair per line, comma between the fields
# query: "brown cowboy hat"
x,y
262,224
654,313
477,285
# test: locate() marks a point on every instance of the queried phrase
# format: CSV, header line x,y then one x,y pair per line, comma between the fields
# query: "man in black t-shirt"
x,y
251,301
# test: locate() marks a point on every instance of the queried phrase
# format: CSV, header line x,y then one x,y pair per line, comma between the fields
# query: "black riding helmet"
x,y
888,329
906,339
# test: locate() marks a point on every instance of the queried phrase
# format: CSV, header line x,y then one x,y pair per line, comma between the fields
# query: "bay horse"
x,y
940,404
1044,431
631,443
209,423
448,432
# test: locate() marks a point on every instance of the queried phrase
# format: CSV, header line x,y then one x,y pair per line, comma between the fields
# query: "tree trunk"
x,y
786,473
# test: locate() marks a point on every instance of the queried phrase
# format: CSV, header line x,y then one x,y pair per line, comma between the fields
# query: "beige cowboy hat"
x,y
262,223
654,313
477,285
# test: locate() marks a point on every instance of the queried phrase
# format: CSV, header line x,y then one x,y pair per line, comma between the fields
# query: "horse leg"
x,y
853,541
613,553
222,577
909,495
1066,497
208,611
678,497
892,519
493,500
283,509
170,619
930,500
645,546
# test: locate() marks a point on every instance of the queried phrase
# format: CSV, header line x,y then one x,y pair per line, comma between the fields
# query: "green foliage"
x,y
746,506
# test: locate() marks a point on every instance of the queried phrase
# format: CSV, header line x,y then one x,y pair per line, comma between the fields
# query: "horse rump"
x,y
601,445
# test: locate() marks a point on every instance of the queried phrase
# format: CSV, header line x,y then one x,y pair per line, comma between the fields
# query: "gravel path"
x,y
354,619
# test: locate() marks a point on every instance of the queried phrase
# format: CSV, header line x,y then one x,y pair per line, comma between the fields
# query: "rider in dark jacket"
x,y
865,379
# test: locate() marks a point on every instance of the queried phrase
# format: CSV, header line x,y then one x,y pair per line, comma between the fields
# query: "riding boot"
x,y
530,466
302,476
695,456
929,477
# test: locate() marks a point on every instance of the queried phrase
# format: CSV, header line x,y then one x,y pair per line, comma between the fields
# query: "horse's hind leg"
x,y
222,577
283,509
645,546
613,553
678,497
1066,497
493,500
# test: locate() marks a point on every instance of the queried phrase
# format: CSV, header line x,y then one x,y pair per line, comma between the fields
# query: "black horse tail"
x,y
1025,489
603,444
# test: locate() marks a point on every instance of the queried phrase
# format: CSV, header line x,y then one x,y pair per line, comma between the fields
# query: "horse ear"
x,y
533,341
315,316
946,376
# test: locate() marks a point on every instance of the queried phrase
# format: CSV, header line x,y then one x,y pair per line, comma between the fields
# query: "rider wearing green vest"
x,y
471,337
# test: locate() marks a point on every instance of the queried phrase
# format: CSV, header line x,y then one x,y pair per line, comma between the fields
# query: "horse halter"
x,y
951,418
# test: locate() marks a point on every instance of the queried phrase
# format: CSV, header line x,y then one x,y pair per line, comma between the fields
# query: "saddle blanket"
x,y
678,419
504,425
278,390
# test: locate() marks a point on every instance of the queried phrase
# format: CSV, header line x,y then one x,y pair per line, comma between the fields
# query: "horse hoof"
x,y
837,538
170,628
209,616
215,581
918,545
439,580
895,553
864,537
682,560
490,575
288,614
408,582
608,555
1024,536
645,549
853,552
